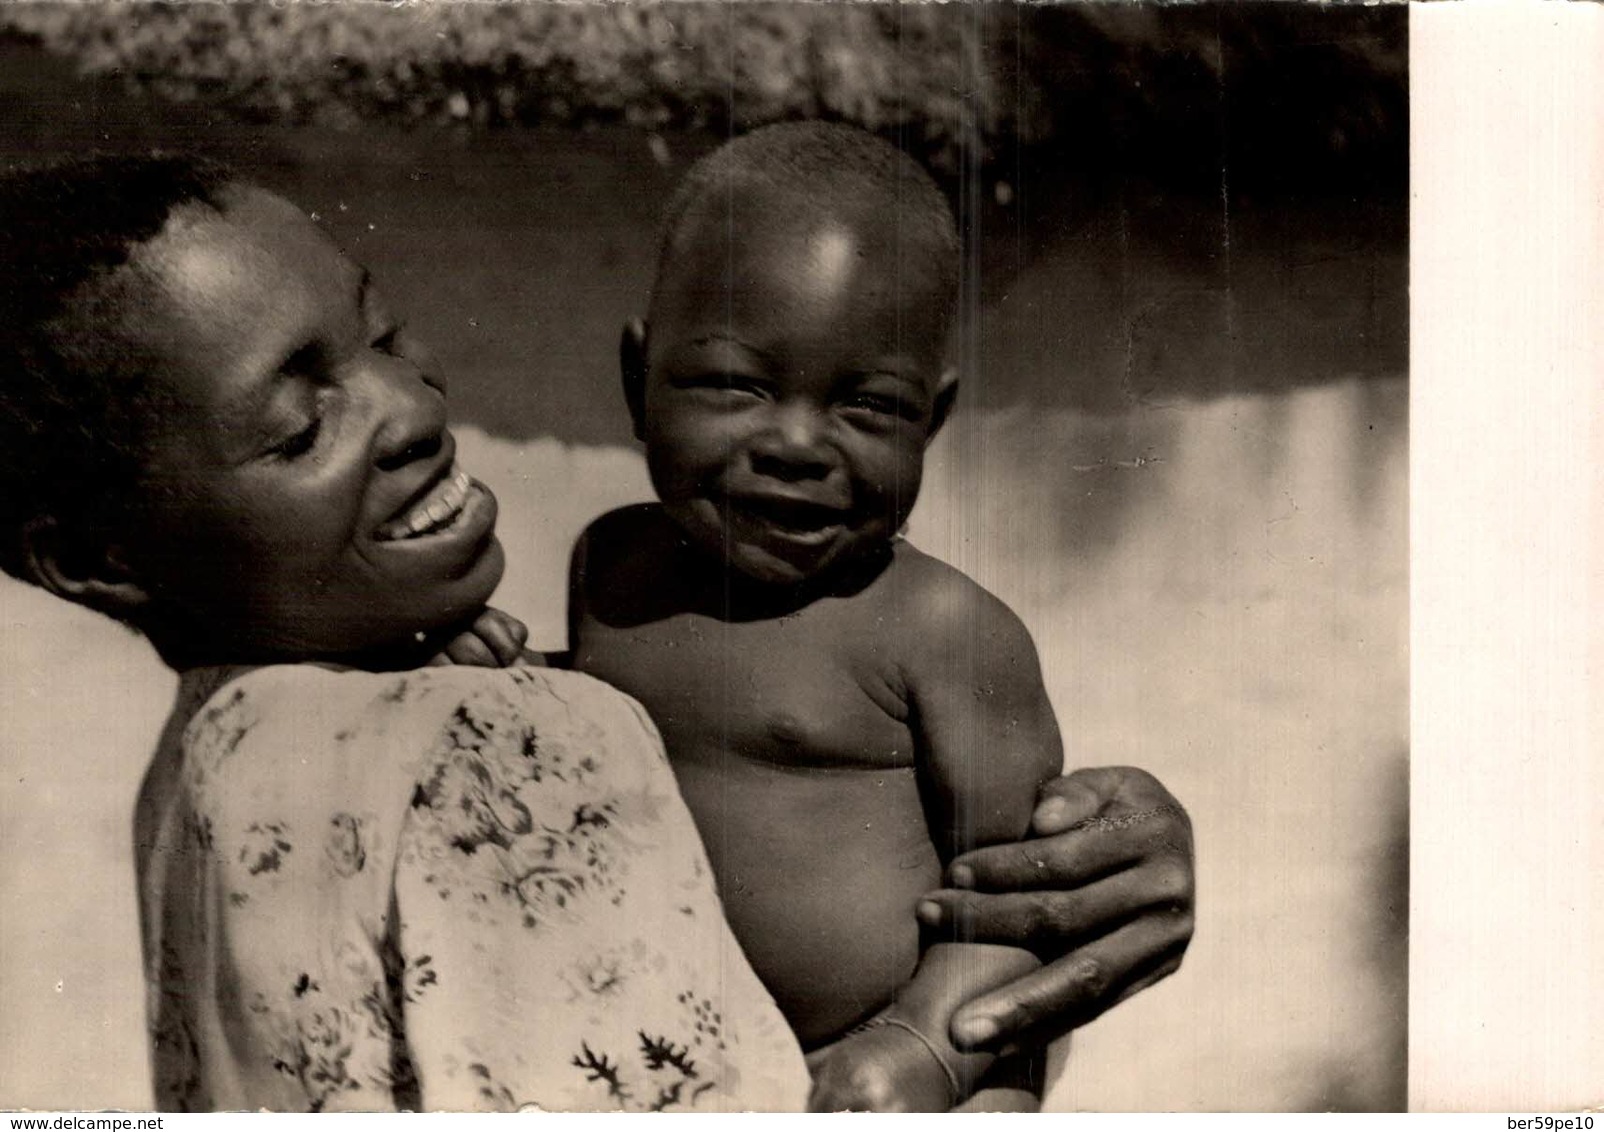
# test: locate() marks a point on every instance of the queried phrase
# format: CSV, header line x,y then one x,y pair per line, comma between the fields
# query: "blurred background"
x,y
1180,453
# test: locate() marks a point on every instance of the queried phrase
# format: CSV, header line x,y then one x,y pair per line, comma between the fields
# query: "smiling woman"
x,y
344,875
299,426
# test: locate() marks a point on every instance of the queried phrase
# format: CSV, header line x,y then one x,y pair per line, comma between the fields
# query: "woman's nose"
x,y
411,414
792,446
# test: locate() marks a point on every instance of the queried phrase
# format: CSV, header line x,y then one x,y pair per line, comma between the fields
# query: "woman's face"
x,y
302,497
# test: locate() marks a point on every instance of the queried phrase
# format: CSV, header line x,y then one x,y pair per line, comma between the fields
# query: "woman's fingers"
x,y
1048,921
1099,792
1133,820
1075,989
1066,860
1068,799
1104,894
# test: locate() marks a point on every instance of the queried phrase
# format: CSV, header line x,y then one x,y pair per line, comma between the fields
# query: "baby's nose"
x,y
792,447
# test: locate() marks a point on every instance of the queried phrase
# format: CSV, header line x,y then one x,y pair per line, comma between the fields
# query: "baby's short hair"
x,y
71,419
825,167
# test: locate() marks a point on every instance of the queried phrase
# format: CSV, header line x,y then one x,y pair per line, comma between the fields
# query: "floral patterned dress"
x,y
455,888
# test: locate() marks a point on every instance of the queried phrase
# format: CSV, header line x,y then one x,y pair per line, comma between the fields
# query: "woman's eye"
x,y
389,342
301,443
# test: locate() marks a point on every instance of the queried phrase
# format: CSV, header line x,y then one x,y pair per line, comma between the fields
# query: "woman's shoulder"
x,y
274,759
538,688
263,708
329,687
286,737
556,703
314,721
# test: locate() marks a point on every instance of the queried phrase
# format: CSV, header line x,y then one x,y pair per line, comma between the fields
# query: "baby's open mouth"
x,y
794,518
437,510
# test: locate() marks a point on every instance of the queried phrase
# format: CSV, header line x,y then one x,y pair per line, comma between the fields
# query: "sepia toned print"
x,y
1178,455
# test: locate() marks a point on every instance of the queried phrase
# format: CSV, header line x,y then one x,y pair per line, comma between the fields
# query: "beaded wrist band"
x,y
881,1020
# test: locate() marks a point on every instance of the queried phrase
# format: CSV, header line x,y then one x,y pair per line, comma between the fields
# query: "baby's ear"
x,y
946,394
81,568
632,368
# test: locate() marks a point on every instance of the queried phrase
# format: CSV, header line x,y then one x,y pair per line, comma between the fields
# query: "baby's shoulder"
x,y
628,531
631,566
935,596
940,608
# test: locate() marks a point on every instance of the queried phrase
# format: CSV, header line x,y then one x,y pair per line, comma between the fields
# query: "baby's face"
x,y
302,498
794,377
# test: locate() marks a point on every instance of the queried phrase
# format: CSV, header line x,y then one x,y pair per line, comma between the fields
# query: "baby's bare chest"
x,y
797,691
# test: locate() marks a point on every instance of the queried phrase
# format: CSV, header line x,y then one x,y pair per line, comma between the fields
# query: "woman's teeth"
x,y
433,511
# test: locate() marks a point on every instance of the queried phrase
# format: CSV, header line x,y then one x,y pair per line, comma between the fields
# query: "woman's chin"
x,y
465,596
487,572
402,620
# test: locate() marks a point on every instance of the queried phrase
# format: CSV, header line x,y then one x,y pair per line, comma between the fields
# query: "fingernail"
x,y
977,1030
1051,812
963,876
929,912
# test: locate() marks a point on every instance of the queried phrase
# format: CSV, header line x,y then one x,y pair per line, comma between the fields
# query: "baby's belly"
x,y
819,870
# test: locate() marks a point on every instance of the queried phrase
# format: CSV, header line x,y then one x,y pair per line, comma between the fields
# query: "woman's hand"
x,y
881,1069
1103,892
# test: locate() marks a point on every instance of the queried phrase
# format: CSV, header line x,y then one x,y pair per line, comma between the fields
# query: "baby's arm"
x,y
988,739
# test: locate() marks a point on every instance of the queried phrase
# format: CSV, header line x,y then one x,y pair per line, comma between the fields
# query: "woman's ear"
x,y
81,568
632,367
946,394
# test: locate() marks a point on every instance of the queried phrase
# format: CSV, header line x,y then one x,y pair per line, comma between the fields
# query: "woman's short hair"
x,y
71,420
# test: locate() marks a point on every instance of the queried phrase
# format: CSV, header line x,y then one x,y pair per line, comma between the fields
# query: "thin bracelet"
x,y
952,1077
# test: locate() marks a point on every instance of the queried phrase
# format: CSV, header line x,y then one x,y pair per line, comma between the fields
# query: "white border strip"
x,y
1506,949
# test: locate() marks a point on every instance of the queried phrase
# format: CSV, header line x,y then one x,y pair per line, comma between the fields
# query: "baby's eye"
x,y
879,410
727,383
876,403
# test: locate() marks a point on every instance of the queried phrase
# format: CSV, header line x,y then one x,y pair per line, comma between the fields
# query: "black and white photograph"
x,y
483,630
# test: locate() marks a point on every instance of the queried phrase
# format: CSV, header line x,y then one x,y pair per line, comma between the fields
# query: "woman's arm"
x,y
271,896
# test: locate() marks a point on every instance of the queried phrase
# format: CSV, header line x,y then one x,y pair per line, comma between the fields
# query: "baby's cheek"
x,y
892,493
675,469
